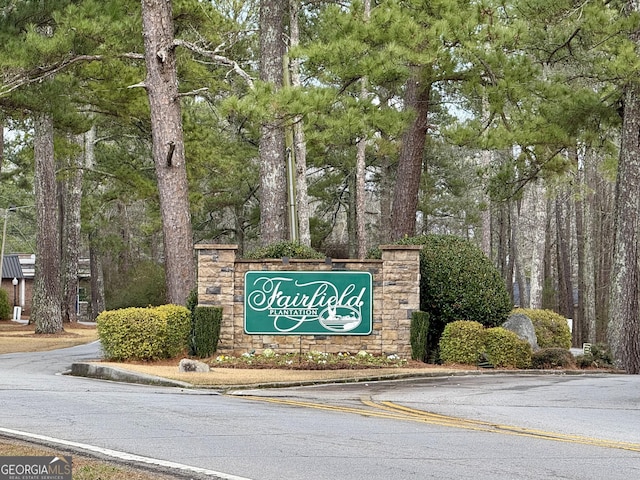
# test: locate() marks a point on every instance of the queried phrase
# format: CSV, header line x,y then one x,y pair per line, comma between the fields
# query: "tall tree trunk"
x,y
97,278
299,141
405,198
95,255
351,217
70,201
563,249
549,286
604,201
360,204
386,187
485,161
585,330
168,148
361,166
539,209
517,255
273,181
46,312
624,330
503,234
512,249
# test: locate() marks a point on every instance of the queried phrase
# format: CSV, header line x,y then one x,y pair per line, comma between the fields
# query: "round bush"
x,y
462,342
505,349
551,328
460,282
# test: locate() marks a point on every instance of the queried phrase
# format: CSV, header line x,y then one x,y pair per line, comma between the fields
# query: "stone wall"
x,y
396,295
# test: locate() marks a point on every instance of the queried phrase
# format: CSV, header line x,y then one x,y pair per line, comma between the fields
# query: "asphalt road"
x,y
482,427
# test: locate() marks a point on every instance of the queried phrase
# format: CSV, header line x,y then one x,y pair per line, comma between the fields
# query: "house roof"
x,y
11,267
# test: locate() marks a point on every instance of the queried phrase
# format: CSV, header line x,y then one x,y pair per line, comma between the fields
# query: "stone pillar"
x,y
216,266
401,296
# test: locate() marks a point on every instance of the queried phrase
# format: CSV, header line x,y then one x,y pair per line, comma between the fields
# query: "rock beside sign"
x,y
522,326
188,365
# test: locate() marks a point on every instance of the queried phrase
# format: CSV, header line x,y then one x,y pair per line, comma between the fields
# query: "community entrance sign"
x,y
307,303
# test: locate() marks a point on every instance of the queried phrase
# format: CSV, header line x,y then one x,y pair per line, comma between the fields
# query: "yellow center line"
x,y
391,410
508,429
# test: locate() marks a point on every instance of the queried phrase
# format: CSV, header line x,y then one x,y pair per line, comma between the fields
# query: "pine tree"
x,y
161,84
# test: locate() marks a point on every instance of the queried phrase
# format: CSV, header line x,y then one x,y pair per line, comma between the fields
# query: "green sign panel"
x,y
308,303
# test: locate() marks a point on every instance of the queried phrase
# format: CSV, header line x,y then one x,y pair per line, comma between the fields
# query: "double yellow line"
x,y
394,411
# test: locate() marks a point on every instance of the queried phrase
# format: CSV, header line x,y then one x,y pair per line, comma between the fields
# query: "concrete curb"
x,y
91,370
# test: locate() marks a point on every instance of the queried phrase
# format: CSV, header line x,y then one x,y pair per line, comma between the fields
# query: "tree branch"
x,y
41,73
193,93
220,59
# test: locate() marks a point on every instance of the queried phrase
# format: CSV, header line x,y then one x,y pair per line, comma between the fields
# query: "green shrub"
x,y
6,309
504,349
466,342
462,342
192,300
600,356
458,281
547,358
418,335
205,331
551,328
143,333
178,321
285,249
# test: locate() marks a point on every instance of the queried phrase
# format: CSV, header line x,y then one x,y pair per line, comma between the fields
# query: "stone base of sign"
x,y
396,295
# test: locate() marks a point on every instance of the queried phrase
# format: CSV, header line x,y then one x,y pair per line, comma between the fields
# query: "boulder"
x,y
188,365
522,326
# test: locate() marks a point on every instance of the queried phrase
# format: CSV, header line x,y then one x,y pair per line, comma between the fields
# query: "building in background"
x,y
22,267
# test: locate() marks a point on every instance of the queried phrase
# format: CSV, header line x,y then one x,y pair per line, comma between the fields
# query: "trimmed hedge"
x,y
465,342
205,331
144,333
178,321
551,328
418,335
505,349
462,342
